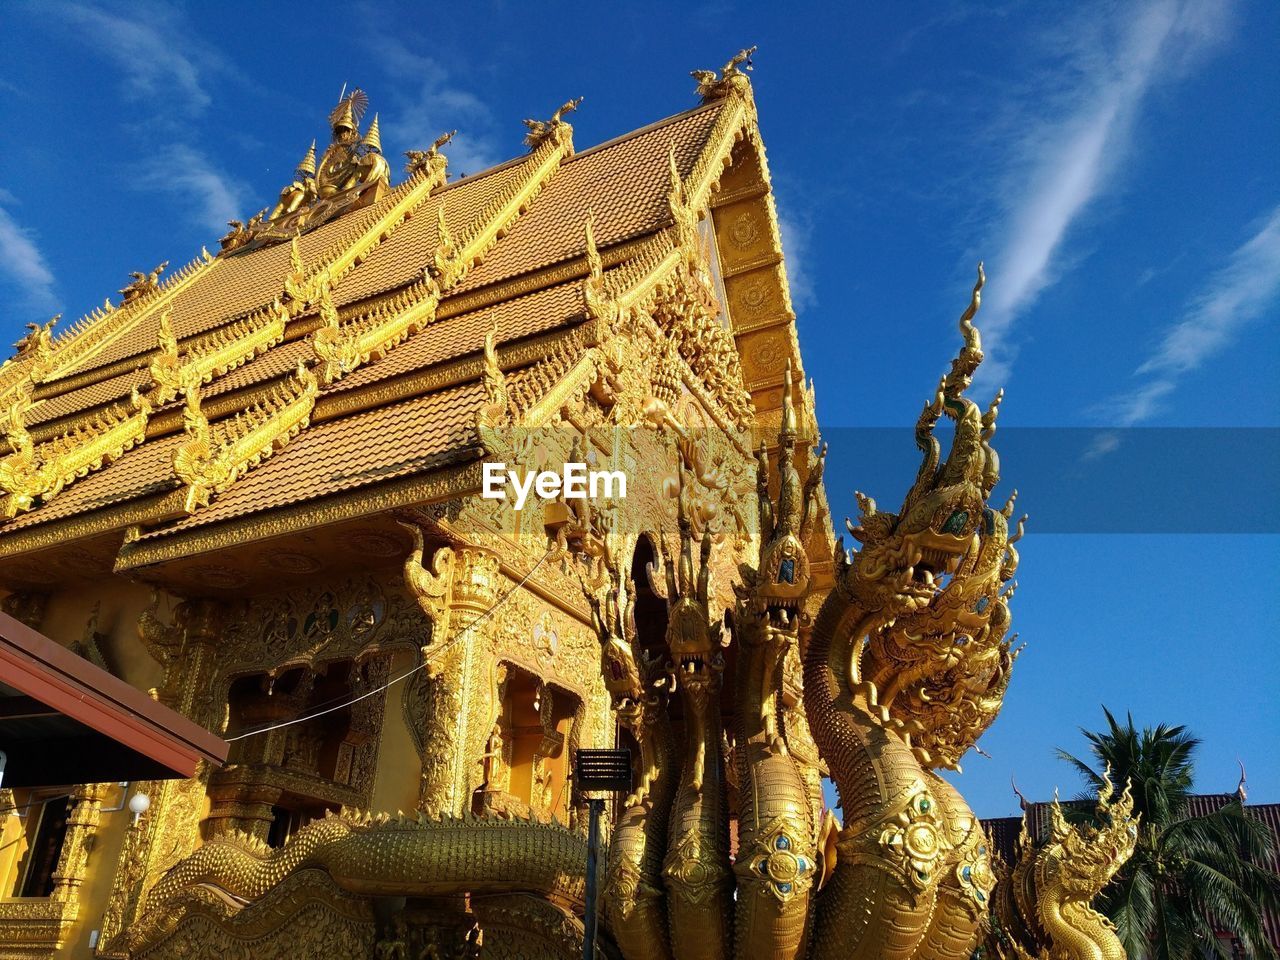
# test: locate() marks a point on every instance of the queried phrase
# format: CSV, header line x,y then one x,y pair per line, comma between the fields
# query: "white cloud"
x,y
428,103
157,62
1103,443
796,236
163,64
1074,146
1238,293
22,266
210,196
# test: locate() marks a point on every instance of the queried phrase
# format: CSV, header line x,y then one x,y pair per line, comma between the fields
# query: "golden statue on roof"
x,y
143,283
430,160
542,130
301,190
351,174
351,160
732,77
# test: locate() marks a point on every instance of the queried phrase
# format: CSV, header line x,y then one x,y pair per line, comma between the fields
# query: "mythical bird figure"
x,y
1044,903
143,283
732,77
428,161
235,238
38,339
542,130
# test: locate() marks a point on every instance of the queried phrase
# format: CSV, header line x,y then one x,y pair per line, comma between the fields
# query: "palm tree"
x,y
1187,872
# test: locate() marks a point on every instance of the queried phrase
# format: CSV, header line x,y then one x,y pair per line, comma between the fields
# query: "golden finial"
x,y
423,161
349,110
494,380
790,428
328,311
970,356
594,263
168,341
445,247
307,165
295,258
675,191
373,137
542,130
194,422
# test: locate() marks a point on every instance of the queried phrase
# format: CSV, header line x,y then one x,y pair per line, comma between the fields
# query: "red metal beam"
x,y
38,667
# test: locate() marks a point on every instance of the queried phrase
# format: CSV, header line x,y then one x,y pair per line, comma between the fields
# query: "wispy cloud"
x,y
797,232
208,195
1238,293
23,269
430,101
1075,146
156,65
162,63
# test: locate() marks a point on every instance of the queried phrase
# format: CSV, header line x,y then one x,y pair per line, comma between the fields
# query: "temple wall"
x,y
395,786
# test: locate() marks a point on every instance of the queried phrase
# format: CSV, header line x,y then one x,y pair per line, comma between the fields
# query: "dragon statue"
x,y
1043,905
903,666
384,856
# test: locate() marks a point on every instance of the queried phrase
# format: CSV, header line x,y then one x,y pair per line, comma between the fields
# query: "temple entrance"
x,y
526,760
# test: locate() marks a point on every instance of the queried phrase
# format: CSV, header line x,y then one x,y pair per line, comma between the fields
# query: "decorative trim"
x,y
34,472
751,191
162,546
85,341
341,348
215,353
770,258
211,461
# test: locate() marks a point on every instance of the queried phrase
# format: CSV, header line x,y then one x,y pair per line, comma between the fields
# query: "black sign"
x,y
607,770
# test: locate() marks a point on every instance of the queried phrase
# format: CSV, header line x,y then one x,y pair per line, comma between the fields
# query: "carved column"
x,y
169,831
465,584
82,824
197,697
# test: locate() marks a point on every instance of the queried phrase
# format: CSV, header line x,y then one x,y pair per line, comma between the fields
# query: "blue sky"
x,y
1115,165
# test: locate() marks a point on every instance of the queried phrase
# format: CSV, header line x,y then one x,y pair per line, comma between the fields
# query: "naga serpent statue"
x,y
904,666
1043,901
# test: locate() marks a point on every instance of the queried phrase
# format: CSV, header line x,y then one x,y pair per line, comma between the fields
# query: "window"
x,y
46,828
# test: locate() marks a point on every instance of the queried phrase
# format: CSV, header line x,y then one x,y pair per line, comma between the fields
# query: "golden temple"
x,y
252,486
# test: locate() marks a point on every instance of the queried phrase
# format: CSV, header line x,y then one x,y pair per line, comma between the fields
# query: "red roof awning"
x,y
64,720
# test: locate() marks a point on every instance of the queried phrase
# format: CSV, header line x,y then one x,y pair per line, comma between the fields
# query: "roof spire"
x,y
343,117
349,111
308,163
373,138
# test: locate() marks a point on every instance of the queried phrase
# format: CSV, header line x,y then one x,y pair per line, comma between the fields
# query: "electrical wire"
x,y
408,673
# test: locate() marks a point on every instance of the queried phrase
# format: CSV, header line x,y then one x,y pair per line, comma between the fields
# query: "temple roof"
x,y
402,289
